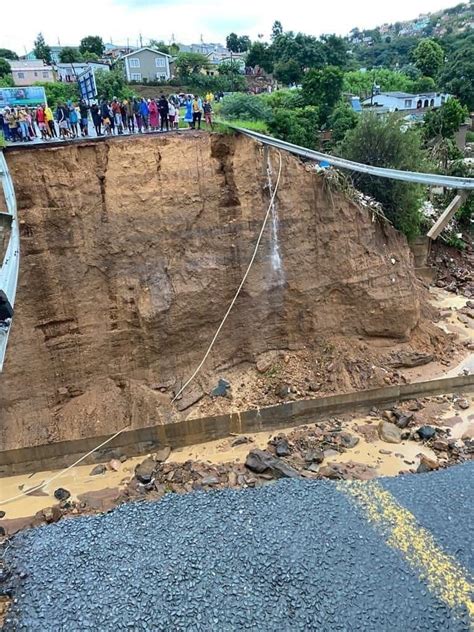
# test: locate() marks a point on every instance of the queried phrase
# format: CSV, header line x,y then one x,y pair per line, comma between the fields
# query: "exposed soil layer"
x,y
131,252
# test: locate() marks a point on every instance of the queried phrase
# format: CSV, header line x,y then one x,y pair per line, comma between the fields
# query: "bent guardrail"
x,y
11,261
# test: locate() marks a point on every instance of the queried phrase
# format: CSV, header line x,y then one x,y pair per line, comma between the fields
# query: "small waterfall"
x,y
278,274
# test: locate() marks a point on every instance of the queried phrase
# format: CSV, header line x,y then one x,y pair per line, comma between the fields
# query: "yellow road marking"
x,y
445,577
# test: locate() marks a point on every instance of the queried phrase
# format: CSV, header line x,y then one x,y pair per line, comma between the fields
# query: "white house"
x,y
402,101
147,64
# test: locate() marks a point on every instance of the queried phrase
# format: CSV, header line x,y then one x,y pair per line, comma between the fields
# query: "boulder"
x,y
52,514
314,456
282,447
145,470
2,514
426,432
389,415
264,364
210,480
348,440
98,469
330,471
114,465
162,454
189,398
260,461
409,359
404,419
389,432
240,440
221,389
426,464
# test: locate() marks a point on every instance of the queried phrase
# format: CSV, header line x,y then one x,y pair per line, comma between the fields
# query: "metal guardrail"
x,y
430,179
11,261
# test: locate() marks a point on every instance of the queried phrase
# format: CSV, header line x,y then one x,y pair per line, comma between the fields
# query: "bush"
x,y
60,92
341,121
380,141
290,99
246,107
299,127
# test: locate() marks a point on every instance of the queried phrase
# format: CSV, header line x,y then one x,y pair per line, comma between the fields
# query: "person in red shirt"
x,y
41,120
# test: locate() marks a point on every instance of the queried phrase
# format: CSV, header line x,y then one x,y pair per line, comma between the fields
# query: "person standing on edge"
x,y
4,123
171,113
207,107
163,106
73,120
136,111
188,115
117,116
130,115
41,120
62,114
48,113
144,114
84,118
197,112
95,113
153,110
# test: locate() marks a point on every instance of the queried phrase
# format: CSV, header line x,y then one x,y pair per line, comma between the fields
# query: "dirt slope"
x,y
131,252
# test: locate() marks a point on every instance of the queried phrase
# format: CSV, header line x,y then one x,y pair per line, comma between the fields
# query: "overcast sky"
x,y
189,20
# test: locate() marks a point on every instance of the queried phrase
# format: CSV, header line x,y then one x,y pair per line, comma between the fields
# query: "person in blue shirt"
x,y
73,120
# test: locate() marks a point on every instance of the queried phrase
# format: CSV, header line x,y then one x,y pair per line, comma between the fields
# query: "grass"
x,y
255,126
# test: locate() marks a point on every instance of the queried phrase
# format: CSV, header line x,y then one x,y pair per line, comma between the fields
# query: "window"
x,y
160,62
36,74
426,103
134,62
160,76
136,76
408,104
21,75
431,103
45,74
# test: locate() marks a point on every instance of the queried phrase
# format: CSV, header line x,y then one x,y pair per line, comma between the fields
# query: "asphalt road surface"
x,y
390,555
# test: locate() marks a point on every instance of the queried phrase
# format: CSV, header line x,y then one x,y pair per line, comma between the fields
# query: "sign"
x,y
87,85
30,96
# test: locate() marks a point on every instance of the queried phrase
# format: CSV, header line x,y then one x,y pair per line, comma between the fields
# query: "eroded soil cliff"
x,y
131,253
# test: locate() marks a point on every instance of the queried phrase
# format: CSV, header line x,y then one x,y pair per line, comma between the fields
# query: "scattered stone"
x,y
409,359
264,364
210,480
314,456
282,447
389,415
426,464
114,465
62,494
52,514
260,461
98,469
389,432
348,440
330,471
2,514
313,467
283,390
240,440
162,454
314,387
144,471
3,533
221,390
382,451
426,432
465,320
416,405
440,444
462,403
189,398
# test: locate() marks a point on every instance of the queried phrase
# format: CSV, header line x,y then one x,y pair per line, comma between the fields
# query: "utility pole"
x,y
141,40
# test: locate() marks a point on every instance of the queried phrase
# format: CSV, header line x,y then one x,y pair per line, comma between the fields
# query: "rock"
x,y
98,469
282,447
440,444
313,467
221,389
260,461
330,471
426,464
404,419
416,405
314,456
62,494
189,398
283,390
162,454
210,480
426,432
240,440
348,440
465,320
389,415
52,514
389,432
314,387
409,359
2,514
232,479
3,533
385,452
264,364
145,470
462,403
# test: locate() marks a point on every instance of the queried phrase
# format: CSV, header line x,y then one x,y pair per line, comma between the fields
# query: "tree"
x,y
445,121
428,57
323,88
247,107
336,50
111,84
190,63
6,53
458,74
380,141
424,84
159,45
229,68
296,126
341,121
288,72
277,29
92,44
41,49
238,44
260,55
305,50
5,68
69,55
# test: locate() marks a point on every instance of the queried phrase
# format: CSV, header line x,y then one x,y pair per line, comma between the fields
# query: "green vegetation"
x,y
445,121
112,84
238,44
59,92
428,57
41,49
323,88
381,141
246,108
70,55
5,68
6,53
190,64
92,44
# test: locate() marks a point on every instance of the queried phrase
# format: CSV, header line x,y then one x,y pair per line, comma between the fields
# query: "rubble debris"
x,y
389,432
98,469
62,494
426,432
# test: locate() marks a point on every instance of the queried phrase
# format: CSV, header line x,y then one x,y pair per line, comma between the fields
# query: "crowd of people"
x,y
118,116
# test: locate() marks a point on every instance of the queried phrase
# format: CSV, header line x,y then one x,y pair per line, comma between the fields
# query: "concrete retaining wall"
x,y
192,431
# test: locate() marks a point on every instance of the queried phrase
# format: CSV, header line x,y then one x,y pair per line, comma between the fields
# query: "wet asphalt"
x,y
294,555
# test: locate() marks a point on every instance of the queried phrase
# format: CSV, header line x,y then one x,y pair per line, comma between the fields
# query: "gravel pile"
x,y
294,555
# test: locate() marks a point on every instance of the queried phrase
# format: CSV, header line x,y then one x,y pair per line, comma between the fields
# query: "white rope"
x,y
27,492
270,206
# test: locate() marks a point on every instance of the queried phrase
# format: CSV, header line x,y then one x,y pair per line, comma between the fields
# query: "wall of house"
x,y
148,68
29,77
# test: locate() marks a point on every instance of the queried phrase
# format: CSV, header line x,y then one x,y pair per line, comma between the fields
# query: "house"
x,y
27,72
218,57
147,64
402,101
55,53
68,72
